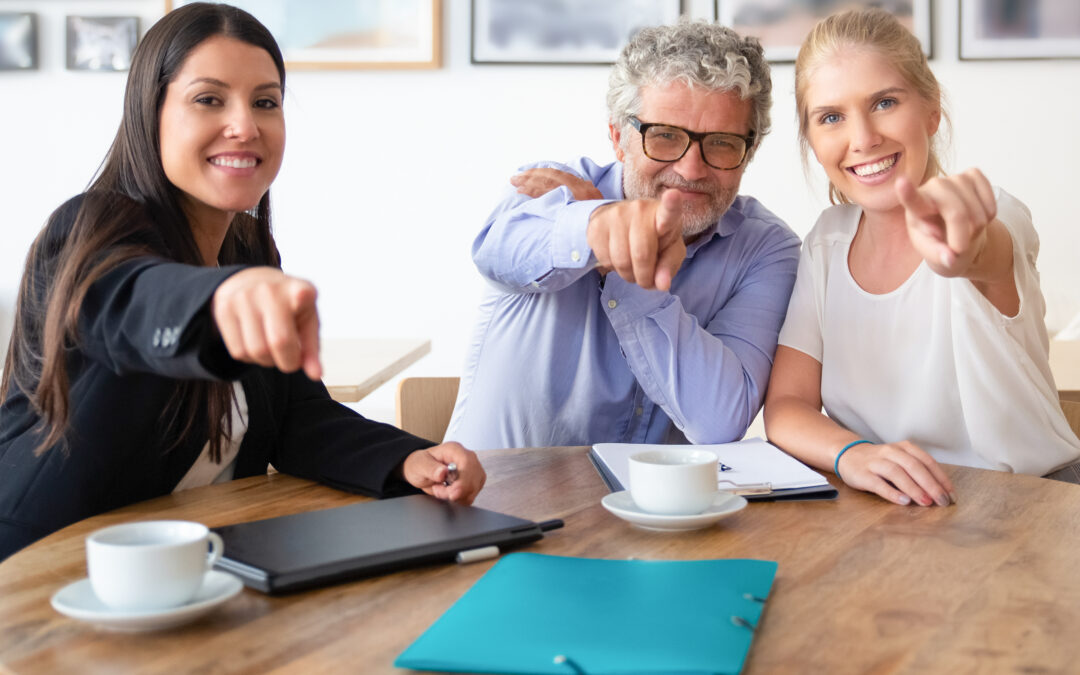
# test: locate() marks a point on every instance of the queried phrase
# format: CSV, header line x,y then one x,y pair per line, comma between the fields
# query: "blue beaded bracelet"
x,y
836,463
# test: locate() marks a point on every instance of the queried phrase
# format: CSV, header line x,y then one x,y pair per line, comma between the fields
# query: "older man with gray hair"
x,y
639,301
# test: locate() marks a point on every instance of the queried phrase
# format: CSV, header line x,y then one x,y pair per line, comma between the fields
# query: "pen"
x,y
451,473
747,488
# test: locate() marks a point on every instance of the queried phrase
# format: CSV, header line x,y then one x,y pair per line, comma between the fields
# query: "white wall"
x,y
388,175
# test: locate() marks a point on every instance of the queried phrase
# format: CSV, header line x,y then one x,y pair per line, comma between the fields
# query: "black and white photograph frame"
x,y
18,41
101,43
781,25
569,32
1032,29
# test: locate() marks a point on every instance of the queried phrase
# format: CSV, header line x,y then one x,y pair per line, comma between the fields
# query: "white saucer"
x,y
623,506
78,601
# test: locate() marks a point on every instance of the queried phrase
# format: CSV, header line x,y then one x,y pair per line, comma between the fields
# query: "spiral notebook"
x,y
533,613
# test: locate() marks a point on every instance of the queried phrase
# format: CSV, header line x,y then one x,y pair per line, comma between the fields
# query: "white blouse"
x,y
205,471
932,362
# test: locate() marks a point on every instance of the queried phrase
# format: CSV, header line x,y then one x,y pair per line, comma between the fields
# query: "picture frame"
x,y
350,34
781,25
101,43
561,32
1034,29
18,41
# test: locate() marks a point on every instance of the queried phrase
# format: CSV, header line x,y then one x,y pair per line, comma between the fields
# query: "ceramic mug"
x,y
150,565
673,481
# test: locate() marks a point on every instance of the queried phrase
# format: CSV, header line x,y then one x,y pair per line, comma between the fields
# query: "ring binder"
x,y
614,601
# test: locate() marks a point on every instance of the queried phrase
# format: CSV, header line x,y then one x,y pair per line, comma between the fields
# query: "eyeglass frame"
x,y
694,137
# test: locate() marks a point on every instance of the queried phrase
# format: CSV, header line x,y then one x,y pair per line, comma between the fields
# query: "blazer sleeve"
x,y
325,441
148,315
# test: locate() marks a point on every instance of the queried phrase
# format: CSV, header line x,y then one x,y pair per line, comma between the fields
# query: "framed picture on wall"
x,y
18,41
561,31
781,25
1027,29
101,42
338,34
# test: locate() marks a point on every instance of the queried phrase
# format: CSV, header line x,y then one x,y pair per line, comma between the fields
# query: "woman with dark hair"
x,y
157,344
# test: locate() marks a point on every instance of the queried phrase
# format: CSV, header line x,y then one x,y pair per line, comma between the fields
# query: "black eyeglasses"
x,y
666,143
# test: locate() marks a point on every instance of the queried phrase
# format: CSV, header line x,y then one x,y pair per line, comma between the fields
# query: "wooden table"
x,y
355,367
988,585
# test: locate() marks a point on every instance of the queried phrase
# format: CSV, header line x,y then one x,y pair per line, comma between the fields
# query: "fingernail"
x,y
942,500
945,259
904,500
952,497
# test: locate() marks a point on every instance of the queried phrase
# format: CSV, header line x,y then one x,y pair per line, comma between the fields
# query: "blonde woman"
x,y
916,319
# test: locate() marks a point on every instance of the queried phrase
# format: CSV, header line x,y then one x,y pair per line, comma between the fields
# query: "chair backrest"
x,y
1070,404
424,405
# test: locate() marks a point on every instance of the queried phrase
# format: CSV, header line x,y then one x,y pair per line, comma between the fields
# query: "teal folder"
x,y
535,613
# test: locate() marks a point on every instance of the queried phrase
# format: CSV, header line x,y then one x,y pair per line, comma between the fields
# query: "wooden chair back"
x,y
424,405
1070,404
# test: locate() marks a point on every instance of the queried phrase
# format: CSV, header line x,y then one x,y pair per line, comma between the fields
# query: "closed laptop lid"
x,y
321,547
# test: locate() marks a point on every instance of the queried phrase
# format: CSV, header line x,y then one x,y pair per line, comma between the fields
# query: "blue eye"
x,y
829,118
886,103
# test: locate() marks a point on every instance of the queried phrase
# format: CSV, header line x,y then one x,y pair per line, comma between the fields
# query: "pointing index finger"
x,y
913,200
669,214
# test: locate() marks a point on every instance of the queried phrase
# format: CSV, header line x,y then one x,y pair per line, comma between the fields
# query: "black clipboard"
x,y
317,548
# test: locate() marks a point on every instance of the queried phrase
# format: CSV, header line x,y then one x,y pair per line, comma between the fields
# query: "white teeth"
x,y
876,167
233,162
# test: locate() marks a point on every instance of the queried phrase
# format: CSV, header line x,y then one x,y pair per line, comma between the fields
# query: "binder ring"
x,y
561,659
739,621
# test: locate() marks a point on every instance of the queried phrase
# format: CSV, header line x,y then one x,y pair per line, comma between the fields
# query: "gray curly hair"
x,y
697,53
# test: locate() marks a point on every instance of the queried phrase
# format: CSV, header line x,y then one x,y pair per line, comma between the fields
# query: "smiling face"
x,y
867,125
706,192
222,131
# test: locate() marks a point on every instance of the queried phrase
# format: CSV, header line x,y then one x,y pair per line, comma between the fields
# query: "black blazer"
x,y
144,326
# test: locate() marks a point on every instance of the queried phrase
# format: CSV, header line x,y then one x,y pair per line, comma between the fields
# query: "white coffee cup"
x,y
150,565
673,481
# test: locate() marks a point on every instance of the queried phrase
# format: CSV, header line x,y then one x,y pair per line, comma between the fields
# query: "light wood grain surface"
x,y
1065,365
987,585
355,367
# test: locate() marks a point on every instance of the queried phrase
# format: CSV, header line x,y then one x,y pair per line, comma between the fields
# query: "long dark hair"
x,y
131,209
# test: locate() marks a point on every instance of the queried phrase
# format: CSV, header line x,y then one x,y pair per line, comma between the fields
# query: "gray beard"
x,y
695,220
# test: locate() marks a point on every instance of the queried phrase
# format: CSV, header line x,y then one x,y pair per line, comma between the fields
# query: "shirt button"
x,y
575,256
612,304
639,410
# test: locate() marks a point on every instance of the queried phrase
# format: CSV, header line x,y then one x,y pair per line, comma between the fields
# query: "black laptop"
x,y
316,548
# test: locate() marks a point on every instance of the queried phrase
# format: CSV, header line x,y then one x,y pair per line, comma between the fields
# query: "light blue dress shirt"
x,y
557,358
